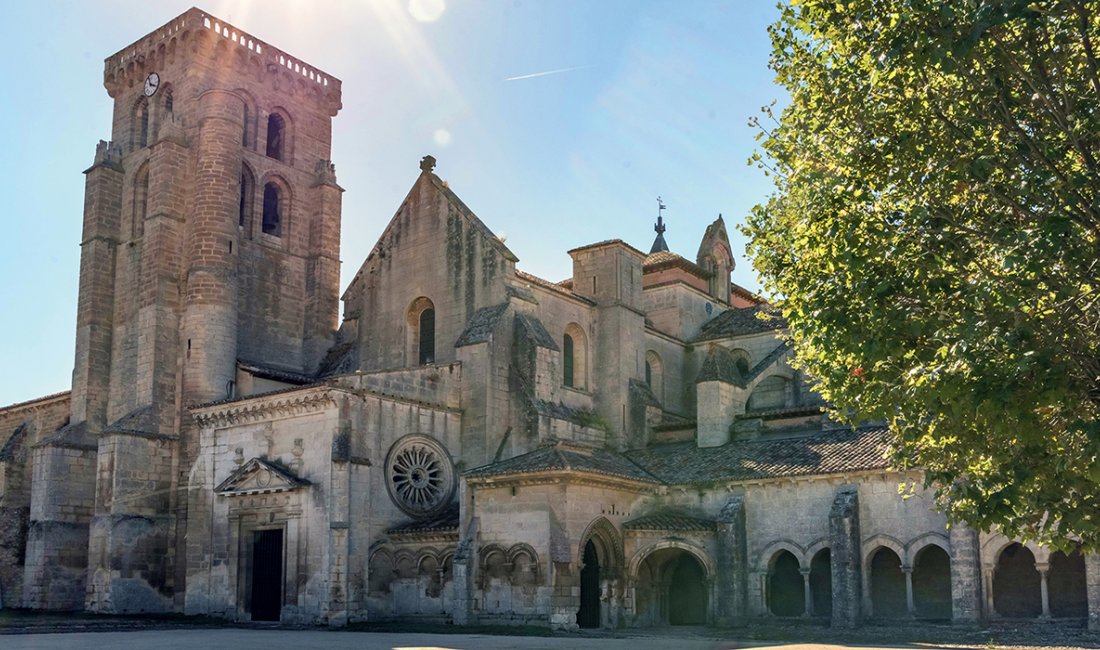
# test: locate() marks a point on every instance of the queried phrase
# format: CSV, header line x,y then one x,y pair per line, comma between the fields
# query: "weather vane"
x,y
660,225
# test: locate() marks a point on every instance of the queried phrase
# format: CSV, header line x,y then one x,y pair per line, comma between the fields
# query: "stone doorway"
x,y
687,591
672,589
589,613
267,574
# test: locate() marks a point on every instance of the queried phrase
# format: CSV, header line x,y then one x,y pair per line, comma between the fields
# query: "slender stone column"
x,y
910,606
1043,568
988,577
845,557
966,575
807,596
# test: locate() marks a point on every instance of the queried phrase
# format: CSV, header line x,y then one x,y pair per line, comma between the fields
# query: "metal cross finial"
x,y
660,225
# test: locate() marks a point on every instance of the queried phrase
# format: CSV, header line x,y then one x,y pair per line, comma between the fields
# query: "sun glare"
x,y
427,11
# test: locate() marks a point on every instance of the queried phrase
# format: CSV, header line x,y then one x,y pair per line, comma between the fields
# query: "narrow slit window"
x,y
567,361
427,336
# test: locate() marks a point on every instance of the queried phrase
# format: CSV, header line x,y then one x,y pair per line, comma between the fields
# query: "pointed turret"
x,y
659,244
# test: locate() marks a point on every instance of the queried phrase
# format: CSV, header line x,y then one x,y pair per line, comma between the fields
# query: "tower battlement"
x,y
195,30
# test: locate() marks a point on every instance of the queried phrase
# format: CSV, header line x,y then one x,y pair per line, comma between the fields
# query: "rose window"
x,y
420,475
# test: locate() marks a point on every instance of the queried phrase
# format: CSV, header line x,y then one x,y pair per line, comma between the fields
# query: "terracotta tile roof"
x,y
664,259
829,452
669,520
740,321
444,521
566,457
746,294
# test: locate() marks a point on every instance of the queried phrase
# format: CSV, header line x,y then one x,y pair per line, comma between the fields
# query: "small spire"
x,y
659,227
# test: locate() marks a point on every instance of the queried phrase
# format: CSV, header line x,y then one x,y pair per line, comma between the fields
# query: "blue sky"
x,y
654,100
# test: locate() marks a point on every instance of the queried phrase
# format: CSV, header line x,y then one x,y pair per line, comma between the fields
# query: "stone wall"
x,y
22,426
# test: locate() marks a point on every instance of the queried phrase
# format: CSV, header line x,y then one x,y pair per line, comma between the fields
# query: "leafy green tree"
x,y
933,241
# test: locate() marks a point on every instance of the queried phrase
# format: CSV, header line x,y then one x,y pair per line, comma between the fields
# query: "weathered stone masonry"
x,y
470,444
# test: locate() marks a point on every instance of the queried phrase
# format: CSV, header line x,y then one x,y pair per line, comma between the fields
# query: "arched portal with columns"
x,y
672,584
600,562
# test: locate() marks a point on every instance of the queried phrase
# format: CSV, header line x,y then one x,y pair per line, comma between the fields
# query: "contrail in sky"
x,y
547,72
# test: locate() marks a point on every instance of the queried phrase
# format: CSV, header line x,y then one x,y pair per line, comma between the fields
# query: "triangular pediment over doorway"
x,y
259,476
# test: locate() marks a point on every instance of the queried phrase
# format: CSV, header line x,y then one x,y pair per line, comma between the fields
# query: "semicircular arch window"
x,y
420,476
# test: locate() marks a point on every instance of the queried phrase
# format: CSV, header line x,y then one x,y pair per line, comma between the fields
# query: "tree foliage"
x,y
933,241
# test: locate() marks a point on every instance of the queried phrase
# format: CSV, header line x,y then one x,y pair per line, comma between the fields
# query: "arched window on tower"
x,y
420,341
169,104
273,210
427,336
655,374
276,136
140,138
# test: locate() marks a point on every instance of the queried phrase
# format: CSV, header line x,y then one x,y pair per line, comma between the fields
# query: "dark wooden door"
x,y
267,575
589,614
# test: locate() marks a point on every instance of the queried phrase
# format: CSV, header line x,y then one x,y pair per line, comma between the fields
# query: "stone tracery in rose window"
x,y
419,475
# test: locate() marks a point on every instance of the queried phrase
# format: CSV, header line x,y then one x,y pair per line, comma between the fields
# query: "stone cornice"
x,y
313,399
37,403
553,477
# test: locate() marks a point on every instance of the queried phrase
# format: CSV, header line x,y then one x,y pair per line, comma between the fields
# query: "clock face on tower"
x,y
152,82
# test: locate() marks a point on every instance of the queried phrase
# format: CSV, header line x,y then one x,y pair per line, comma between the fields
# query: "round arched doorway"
x,y
672,589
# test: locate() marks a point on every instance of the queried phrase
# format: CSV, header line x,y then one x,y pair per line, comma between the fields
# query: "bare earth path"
x,y
240,638
253,639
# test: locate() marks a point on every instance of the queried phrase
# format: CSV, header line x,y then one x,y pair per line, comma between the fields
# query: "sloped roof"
x,y
739,321
669,520
565,287
830,452
444,521
720,365
566,457
15,440
534,329
479,328
477,223
141,421
665,259
339,359
271,372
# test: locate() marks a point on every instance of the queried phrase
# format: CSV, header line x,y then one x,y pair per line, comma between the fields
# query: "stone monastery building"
x,y
470,443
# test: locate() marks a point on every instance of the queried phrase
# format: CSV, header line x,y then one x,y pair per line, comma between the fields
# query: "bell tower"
x,y
211,237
